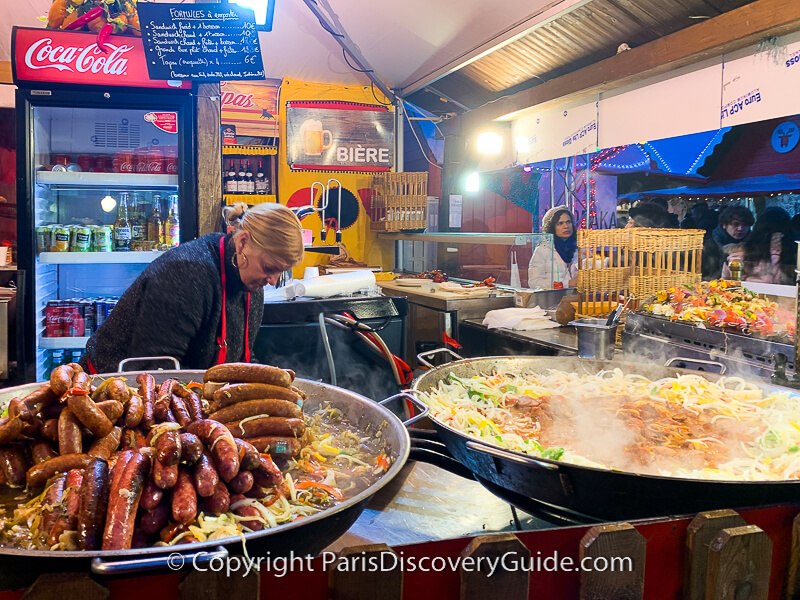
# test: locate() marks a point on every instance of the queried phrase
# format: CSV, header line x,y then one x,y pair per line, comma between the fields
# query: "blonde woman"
x,y
202,302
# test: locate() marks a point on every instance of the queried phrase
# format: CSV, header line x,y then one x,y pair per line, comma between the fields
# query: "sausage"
x,y
285,447
163,399
155,520
241,392
68,519
105,446
61,379
249,373
50,430
267,426
123,501
251,408
220,501
38,399
191,448
117,466
112,409
82,381
52,411
165,476
17,408
90,415
181,411
42,451
151,496
242,483
147,390
223,446
205,475
12,460
210,387
38,475
69,433
192,401
10,430
168,448
32,428
248,455
93,504
75,367
184,499
246,511
134,411
118,390
299,392
267,474
51,503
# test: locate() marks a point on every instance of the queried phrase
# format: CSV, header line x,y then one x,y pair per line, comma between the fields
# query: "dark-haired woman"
x,y
769,254
542,272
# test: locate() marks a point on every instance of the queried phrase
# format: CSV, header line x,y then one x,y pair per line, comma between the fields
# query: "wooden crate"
x,y
399,201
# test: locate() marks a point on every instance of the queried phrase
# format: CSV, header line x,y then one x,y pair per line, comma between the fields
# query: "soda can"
x,y
141,158
67,316
100,313
61,239
59,169
103,163
155,163
86,162
52,315
171,160
62,159
78,324
43,238
73,168
82,239
89,318
102,239
123,162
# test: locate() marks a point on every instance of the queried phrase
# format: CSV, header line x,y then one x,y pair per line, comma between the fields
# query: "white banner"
x,y
555,133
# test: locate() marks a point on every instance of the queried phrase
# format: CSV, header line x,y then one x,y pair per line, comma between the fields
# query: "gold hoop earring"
x,y
235,261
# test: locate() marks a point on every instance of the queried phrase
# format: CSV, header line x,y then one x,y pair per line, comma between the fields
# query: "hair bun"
x,y
233,214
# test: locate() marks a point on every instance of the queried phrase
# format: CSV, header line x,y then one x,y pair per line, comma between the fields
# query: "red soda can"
x,y
86,163
123,162
103,163
53,324
78,324
67,316
62,159
171,160
155,163
141,157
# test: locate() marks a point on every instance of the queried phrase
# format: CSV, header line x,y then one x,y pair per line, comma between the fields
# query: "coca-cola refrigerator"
x,y
105,182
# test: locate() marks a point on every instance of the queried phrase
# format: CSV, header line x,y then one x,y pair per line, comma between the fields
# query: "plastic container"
x,y
596,340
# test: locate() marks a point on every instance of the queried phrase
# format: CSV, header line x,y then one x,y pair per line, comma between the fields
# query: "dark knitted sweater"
x,y
174,308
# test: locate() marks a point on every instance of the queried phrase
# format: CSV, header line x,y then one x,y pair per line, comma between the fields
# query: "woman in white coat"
x,y
542,273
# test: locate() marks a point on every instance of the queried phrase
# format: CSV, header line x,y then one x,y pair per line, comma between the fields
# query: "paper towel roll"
x,y
331,285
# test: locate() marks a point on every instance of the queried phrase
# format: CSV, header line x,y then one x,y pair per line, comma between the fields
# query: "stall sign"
x,y
200,42
339,136
71,57
251,107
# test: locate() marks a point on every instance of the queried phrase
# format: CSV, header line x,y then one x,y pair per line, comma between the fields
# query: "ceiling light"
x,y
522,144
263,9
108,204
490,143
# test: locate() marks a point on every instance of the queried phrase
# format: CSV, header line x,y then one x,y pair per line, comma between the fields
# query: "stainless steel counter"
x,y
563,340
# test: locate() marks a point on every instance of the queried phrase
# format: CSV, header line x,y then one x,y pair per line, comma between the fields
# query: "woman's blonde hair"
x,y
272,227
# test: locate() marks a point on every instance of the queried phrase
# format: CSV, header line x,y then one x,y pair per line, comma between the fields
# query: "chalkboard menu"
x,y
200,42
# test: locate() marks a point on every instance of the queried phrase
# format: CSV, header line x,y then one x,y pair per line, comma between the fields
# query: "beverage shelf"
x,y
60,343
250,198
236,150
117,180
77,258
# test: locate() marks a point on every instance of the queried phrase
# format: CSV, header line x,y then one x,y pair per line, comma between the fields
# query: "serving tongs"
x,y
613,318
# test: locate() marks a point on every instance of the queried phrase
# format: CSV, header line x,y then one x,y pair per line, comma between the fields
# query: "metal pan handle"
x,y
122,363
699,361
174,562
506,455
418,404
421,360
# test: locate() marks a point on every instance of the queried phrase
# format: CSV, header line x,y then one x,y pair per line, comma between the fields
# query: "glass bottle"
x,y
262,183
241,180
251,186
173,223
155,226
138,227
231,185
122,226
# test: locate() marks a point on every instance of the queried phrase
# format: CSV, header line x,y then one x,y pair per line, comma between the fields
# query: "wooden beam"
x,y
5,72
726,33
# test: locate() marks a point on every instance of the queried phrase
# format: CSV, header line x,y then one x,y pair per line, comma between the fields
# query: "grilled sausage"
x,y
38,399
220,501
10,430
38,475
210,387
191,448
118,390
249,373
156,519
90,415
123,501
267,426
134,411
205,475
151,495
93,504
251,408
192,401
242,483
68,519
61,379
168,448
248,455
75,367
165,476
112,409
184,499
246,511
69,433
180,410
267,474
52,411
51,503
42,451
223,446
285,447
147,390
132,439
17,408
299,392
241,392
50,430
161,408
104,447
32,428
82,381
12,461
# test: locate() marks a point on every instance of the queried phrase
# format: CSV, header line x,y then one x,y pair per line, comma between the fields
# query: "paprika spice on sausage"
x,y
249,373
251,408
267,426
123,501
240,392
38,475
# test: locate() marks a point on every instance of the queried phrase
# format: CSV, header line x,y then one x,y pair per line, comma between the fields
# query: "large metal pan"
x,y
598,493
308,536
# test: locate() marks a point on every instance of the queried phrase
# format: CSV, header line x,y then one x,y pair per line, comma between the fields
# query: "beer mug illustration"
x,y
314,137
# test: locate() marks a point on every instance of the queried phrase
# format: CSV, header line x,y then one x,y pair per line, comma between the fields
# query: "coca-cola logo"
x,y
53,318
172,168
155,167
43,54
126,167
67,317
240,100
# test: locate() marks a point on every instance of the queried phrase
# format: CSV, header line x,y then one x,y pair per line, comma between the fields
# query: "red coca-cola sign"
x,y
72,57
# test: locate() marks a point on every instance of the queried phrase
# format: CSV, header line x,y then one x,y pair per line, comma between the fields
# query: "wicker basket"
x,y
399,201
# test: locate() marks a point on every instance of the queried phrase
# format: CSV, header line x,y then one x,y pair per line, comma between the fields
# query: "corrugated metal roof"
x,y
587,34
